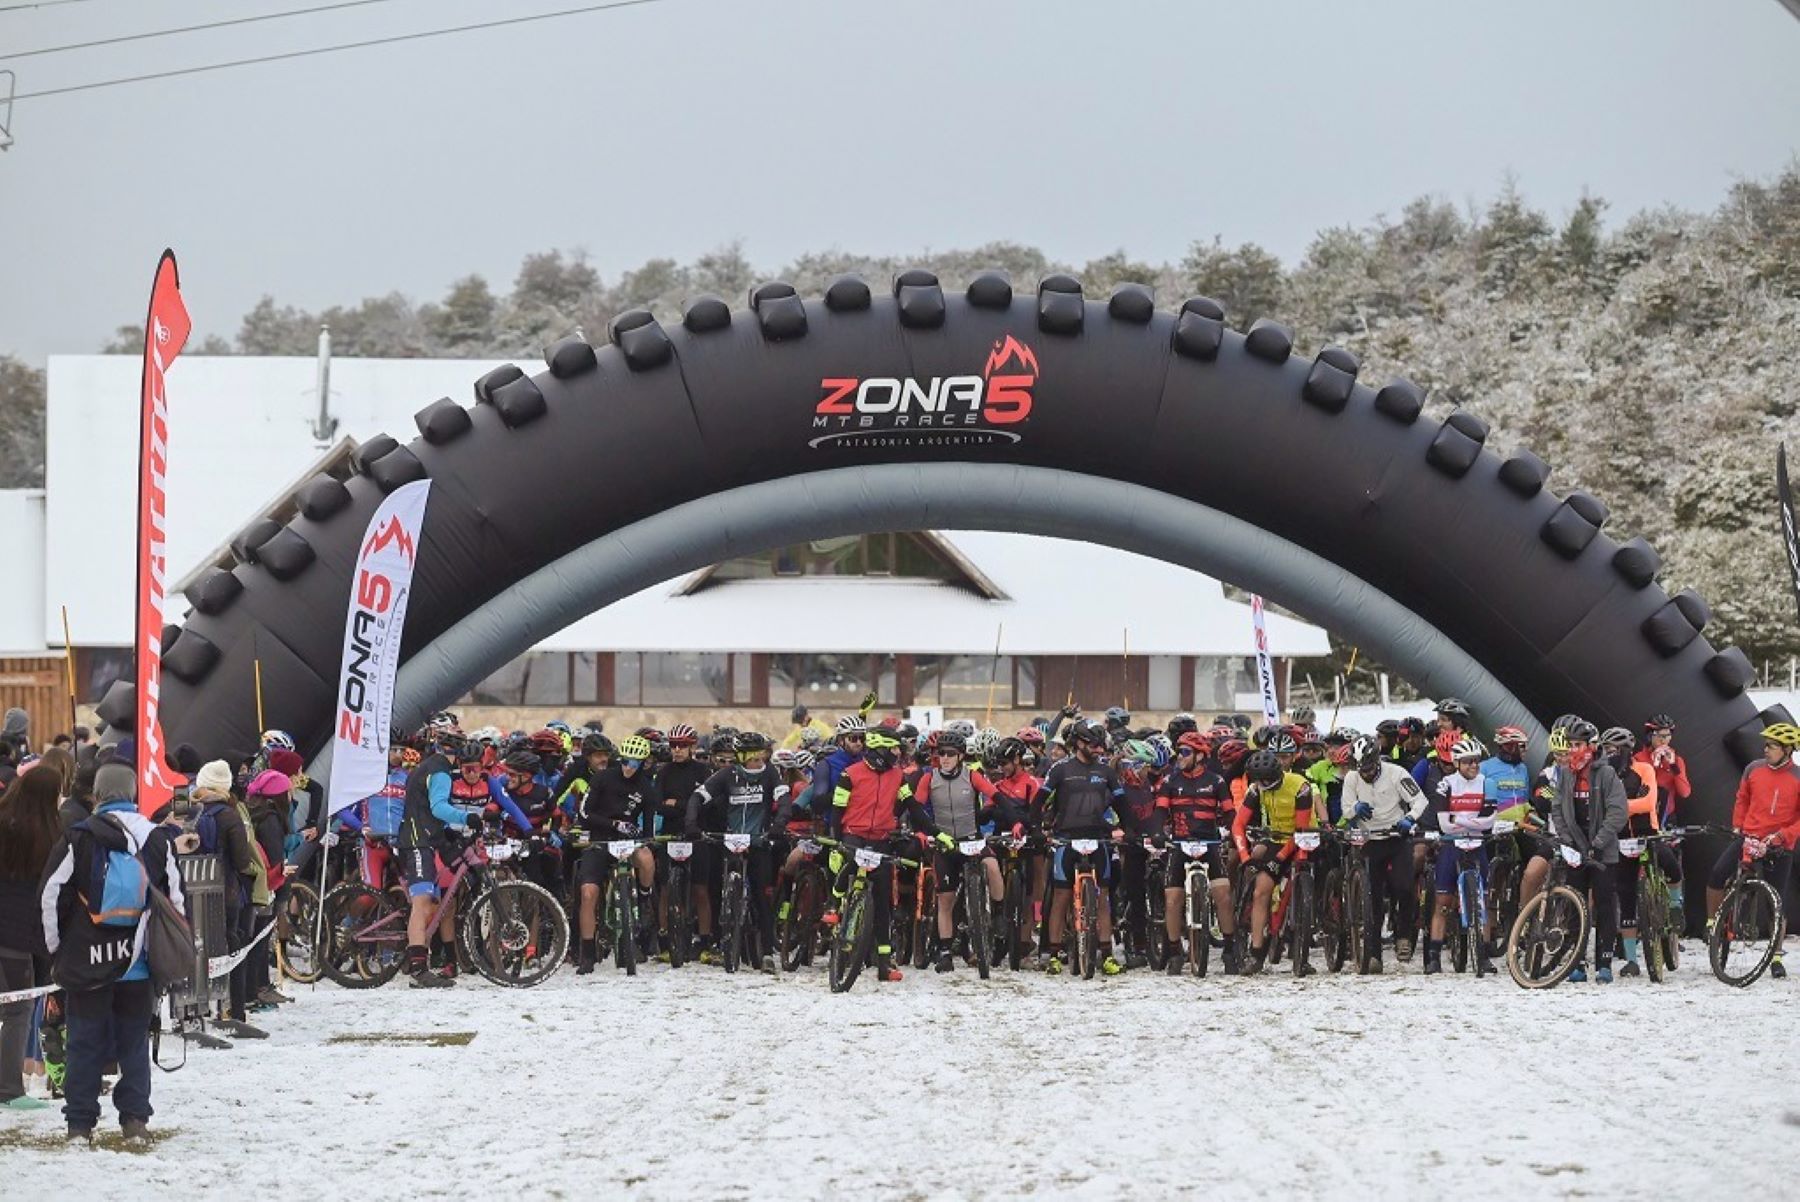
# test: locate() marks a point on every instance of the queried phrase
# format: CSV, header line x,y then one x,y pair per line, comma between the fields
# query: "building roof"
x,y
241,431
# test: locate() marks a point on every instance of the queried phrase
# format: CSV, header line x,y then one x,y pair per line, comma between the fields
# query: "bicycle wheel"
x,y
1461,939
1652,920
1356,917
924,917
1548,938
980,916
515,934
801,919
1300,919
731,928
624,924
1746,933
851,939
1199,922
1014,922
296,922
1333,924
1087,944
366,935
1278,920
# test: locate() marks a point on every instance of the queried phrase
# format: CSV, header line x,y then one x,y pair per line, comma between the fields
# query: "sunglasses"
x,y
948,751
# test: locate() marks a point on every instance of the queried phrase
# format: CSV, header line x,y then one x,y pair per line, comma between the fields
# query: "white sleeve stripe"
x,y
47,900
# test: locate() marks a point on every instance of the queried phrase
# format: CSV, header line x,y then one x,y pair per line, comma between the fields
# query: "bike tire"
x,y
625,921
1466,910
801,921
924,918
1278,921
1548,938
731,930
1300,920
352,963
850,941
1015,920
1087,945
1334,932
681,915
980,916
1198,898
1749,913
515,934
1356,917
1652,921
296,923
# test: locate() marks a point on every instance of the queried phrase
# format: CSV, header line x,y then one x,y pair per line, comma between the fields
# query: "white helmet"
x,y
851,724
1468,748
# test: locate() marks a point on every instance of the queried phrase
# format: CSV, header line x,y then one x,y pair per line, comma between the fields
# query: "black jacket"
x,y
85,955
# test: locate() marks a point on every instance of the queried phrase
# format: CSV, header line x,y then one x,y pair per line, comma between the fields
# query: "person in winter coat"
x,y
28,830
267,799
1588,812
220,826
108,1000
15,740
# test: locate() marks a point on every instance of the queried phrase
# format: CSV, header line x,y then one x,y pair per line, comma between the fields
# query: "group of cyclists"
x,y
1228,809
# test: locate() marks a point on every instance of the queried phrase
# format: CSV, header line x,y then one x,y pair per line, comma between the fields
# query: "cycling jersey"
x,y
1508,786
610,800
378,815
1138,812
748,798
1768,802
1393,796
955,803
1017,801
675,784
1196,804
1079,797
1283,808
1461,802
869,803
475,795
427,807
1671,777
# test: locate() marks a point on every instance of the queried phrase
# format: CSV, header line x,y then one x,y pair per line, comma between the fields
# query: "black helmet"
x,y
1263,768
1453,707
1089,731
1583,731
950,740
1264,735
749,741
1010,748
721,743
595,741
524,763
1180,725
1659,722
1388,727
1118,716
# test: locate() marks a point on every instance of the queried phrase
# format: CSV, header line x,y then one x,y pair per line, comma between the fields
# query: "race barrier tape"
x,y
25,995
216,967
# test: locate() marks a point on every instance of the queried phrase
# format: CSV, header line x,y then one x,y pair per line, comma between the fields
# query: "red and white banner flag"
x,y
378,593
1265,670
165,332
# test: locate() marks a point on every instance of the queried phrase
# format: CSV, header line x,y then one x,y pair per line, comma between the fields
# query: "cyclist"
x,y
961,800
676,781
852,743
1588,813
870,797
521,772
1641,819
804,723
1412,747
1281,802
1461,807
1139,765
1196,802
1079,796
596,754
377,817
1767,808
611,803
475,787
1659,753
747,797
427,814
1382,796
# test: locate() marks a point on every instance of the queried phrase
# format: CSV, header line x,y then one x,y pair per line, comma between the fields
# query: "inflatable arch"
x,y
1164,433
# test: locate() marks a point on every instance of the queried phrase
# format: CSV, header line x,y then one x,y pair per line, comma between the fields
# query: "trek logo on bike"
x,y
892,411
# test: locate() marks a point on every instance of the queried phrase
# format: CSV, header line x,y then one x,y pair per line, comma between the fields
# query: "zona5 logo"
x,y
891,411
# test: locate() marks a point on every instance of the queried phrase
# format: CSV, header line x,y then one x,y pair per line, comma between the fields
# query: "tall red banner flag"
x,y
165,332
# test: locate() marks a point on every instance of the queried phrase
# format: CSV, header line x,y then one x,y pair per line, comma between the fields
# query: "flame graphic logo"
x,y
1007,352
393,532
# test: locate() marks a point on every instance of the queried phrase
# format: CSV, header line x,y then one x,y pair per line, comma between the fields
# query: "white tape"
x,y
218,966
25,995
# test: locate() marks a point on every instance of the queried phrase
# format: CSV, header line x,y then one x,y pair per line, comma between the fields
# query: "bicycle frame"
x,y
472,858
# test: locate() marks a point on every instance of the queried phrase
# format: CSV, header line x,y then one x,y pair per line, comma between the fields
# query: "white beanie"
x,y
214,778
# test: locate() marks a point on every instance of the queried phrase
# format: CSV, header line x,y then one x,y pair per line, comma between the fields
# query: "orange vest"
x,y
1644,806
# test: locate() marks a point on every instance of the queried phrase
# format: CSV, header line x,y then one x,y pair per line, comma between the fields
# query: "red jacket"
x,y
1768,802
1671,778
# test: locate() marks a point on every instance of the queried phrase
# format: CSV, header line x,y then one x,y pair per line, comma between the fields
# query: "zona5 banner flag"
x,y
1790,537
365,697
166,329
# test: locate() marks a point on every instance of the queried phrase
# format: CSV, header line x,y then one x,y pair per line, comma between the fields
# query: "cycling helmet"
x,y
1232,753
1031,736
1089,731
442,720
1117,716
1559,740
1179,725
882,751
811,738
1409,726
908,732
1263,768
523,763
1617,738
1510,736
634,747
1343,735
961,726
949,740
1304,716
1009,749
1341,755
851,724
782,758
1195,742
802,760
1365,749
1309,737
487,736
466,752
720,743
1139,751
1388,727
1453,707
983,744
1468,748
559,726
409,758
1784,734
547,742
595,741
278,740
653,734
1565,721
683,735
1659,722
1583,731
1282,743
750,742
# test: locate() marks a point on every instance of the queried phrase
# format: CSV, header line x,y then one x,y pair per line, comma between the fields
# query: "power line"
x,y
169,33
333,49
10,8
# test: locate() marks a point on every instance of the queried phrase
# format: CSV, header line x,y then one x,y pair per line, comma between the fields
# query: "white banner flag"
x,y
1265,671
378,593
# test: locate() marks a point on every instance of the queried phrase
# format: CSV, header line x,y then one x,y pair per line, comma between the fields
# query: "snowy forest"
x,y
1649,358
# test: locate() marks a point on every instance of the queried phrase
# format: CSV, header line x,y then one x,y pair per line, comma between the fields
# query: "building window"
x,y
537,678
1025,682
585,677
822,683
967,682
684,678
742,692
1165,683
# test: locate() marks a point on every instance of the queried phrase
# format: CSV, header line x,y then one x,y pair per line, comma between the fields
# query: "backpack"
x,y
120,884
206,828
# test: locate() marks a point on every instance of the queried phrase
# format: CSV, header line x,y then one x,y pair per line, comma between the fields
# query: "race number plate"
x,y
1306,840
809,848
1467,844
1504,826
737,844
621,847
972,847
1631,847
1193,850
1570,856
1085,847
1358,837
681,851
866,858
504,850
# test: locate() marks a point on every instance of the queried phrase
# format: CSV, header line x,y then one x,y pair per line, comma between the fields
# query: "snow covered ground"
x,y
693,1084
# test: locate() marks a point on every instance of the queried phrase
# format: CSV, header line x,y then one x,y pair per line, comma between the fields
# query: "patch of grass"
x,y
49,1139
428,1039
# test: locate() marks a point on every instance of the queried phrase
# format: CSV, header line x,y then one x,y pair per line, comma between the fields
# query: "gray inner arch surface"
x,y
941,496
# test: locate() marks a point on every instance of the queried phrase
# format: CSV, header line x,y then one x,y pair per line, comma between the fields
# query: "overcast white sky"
x,y
1078,125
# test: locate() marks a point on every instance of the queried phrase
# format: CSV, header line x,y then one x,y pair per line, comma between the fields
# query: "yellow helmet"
x,y
1559,741
634,747
1786,734
881,740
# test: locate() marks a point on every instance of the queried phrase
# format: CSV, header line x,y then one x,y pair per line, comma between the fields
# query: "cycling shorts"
x,y
596,866
1780,867
1175,865
422,871
949,868
1062,867
374,858
1446,866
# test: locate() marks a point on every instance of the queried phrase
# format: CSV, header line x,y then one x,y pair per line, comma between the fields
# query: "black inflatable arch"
x,y
1518,582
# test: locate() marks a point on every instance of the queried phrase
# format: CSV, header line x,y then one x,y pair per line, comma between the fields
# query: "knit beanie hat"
x,y
214,779
286,762
115,782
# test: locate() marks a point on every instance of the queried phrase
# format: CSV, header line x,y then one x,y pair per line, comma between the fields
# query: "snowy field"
x,y
693,1084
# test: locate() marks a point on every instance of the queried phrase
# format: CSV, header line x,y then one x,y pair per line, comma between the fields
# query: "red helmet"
x,y
1031,736
1232,752
1510,734
547,742
1194,741
683,735
1340,755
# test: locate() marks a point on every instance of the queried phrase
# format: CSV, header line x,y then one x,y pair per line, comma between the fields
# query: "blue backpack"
x,y
121,887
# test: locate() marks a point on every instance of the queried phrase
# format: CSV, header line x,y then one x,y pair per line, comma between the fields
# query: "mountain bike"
x,y
1017,921
296,924
977,905
1196,907
853,938
1471,898
620,904
740,936
1294,915
1084,881
1156,937
1659,924
1506,877
797,917
1549,937
678,905
1750,924
923,924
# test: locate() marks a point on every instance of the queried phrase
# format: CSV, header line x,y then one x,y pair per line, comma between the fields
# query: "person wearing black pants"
x,y
104,1026
1589,812
1390,879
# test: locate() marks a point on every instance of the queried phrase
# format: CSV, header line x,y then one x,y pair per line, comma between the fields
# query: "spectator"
x,y
804,722
28,830
108,1000
63,741
220,827
79,804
